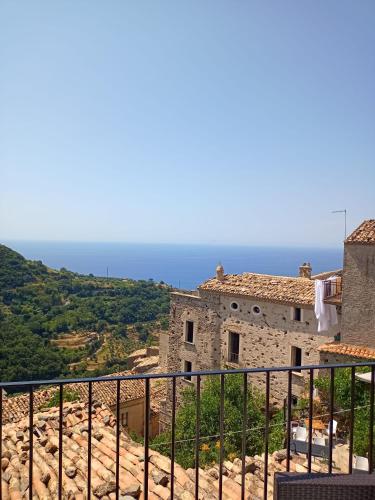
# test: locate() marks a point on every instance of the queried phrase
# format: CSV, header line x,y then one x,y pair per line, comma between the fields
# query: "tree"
x,y
210,423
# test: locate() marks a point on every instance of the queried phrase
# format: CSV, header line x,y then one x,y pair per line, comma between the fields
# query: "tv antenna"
x,y
343,211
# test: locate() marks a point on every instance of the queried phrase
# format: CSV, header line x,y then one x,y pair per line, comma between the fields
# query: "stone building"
x,y
246,320
357,300
255,320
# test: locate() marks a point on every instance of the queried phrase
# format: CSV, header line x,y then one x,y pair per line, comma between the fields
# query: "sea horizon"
x,y
178,264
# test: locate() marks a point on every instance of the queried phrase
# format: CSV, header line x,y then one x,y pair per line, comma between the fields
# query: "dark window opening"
x,y
188,368
234,306
124,419
296,357
297,314
189,334
234,347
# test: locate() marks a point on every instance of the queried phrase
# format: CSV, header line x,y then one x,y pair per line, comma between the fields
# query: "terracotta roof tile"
x,y
348,350
364,234
17,407
265,287
15,461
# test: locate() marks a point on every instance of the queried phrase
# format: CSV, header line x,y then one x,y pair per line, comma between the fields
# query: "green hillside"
x,y
39,306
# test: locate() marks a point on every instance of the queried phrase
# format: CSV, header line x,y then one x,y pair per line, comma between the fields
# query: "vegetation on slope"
x,y
38,304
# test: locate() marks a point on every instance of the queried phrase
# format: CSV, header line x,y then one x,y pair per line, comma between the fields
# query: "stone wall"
x,y
266,339
358,298
163,351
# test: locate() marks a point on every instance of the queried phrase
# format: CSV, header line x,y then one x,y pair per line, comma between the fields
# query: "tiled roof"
x,y
348,350
364,234
15,463
327,274
265,287
17,407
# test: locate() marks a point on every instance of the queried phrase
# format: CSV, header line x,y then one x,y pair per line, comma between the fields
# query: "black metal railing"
x,y
197,376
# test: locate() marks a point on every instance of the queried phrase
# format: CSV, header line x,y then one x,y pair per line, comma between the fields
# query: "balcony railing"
x,y
332,288
247,375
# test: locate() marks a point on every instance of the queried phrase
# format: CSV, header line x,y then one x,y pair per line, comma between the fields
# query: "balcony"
x,y
333,291
80,450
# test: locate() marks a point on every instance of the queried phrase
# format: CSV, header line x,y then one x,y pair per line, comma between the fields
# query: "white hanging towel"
x,y
325,313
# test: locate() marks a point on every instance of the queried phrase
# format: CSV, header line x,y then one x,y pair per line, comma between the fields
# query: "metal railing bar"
x,y
371,430
331,402
89,442
146,438
311,394
31,440
173,430
146,376
221,454
266,435
61,404
352,416
289,421
244,436
118,439
197,435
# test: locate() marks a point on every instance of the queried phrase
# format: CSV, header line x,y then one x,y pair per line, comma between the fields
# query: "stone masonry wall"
x,y
267,338
358,306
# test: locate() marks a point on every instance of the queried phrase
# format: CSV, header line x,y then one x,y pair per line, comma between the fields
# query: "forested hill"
x,y
39,305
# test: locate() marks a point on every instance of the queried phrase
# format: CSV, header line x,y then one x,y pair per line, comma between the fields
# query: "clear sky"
x,y
237,121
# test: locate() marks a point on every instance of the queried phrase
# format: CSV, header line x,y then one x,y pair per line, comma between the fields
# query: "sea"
x,y
182,266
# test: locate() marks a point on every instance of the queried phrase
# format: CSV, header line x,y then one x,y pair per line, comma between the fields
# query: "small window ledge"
x,y
230,364
298,374
190,346
189,382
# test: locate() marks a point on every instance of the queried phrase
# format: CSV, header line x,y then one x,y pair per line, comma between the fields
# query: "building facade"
x,y
248,320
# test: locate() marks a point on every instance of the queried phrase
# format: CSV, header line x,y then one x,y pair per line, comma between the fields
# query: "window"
x,y
189,332
234,306
234,347
124,419
297,314
256,310
188,368
296,357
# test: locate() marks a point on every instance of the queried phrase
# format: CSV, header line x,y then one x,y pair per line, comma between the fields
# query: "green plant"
x,y
210,427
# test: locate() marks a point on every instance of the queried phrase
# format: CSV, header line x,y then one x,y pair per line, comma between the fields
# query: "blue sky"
x,y
236,122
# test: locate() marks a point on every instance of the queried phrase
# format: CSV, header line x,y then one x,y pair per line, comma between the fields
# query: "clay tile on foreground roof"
x,y
15,466
281,289
364,234
348,350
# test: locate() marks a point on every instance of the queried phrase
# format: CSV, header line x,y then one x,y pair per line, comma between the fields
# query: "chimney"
x,y
305,270
220,273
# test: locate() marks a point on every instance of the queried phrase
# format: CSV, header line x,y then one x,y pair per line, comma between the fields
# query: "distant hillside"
x,y
15,270
38,304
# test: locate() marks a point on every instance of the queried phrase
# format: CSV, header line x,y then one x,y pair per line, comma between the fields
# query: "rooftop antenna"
x,y
343,211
